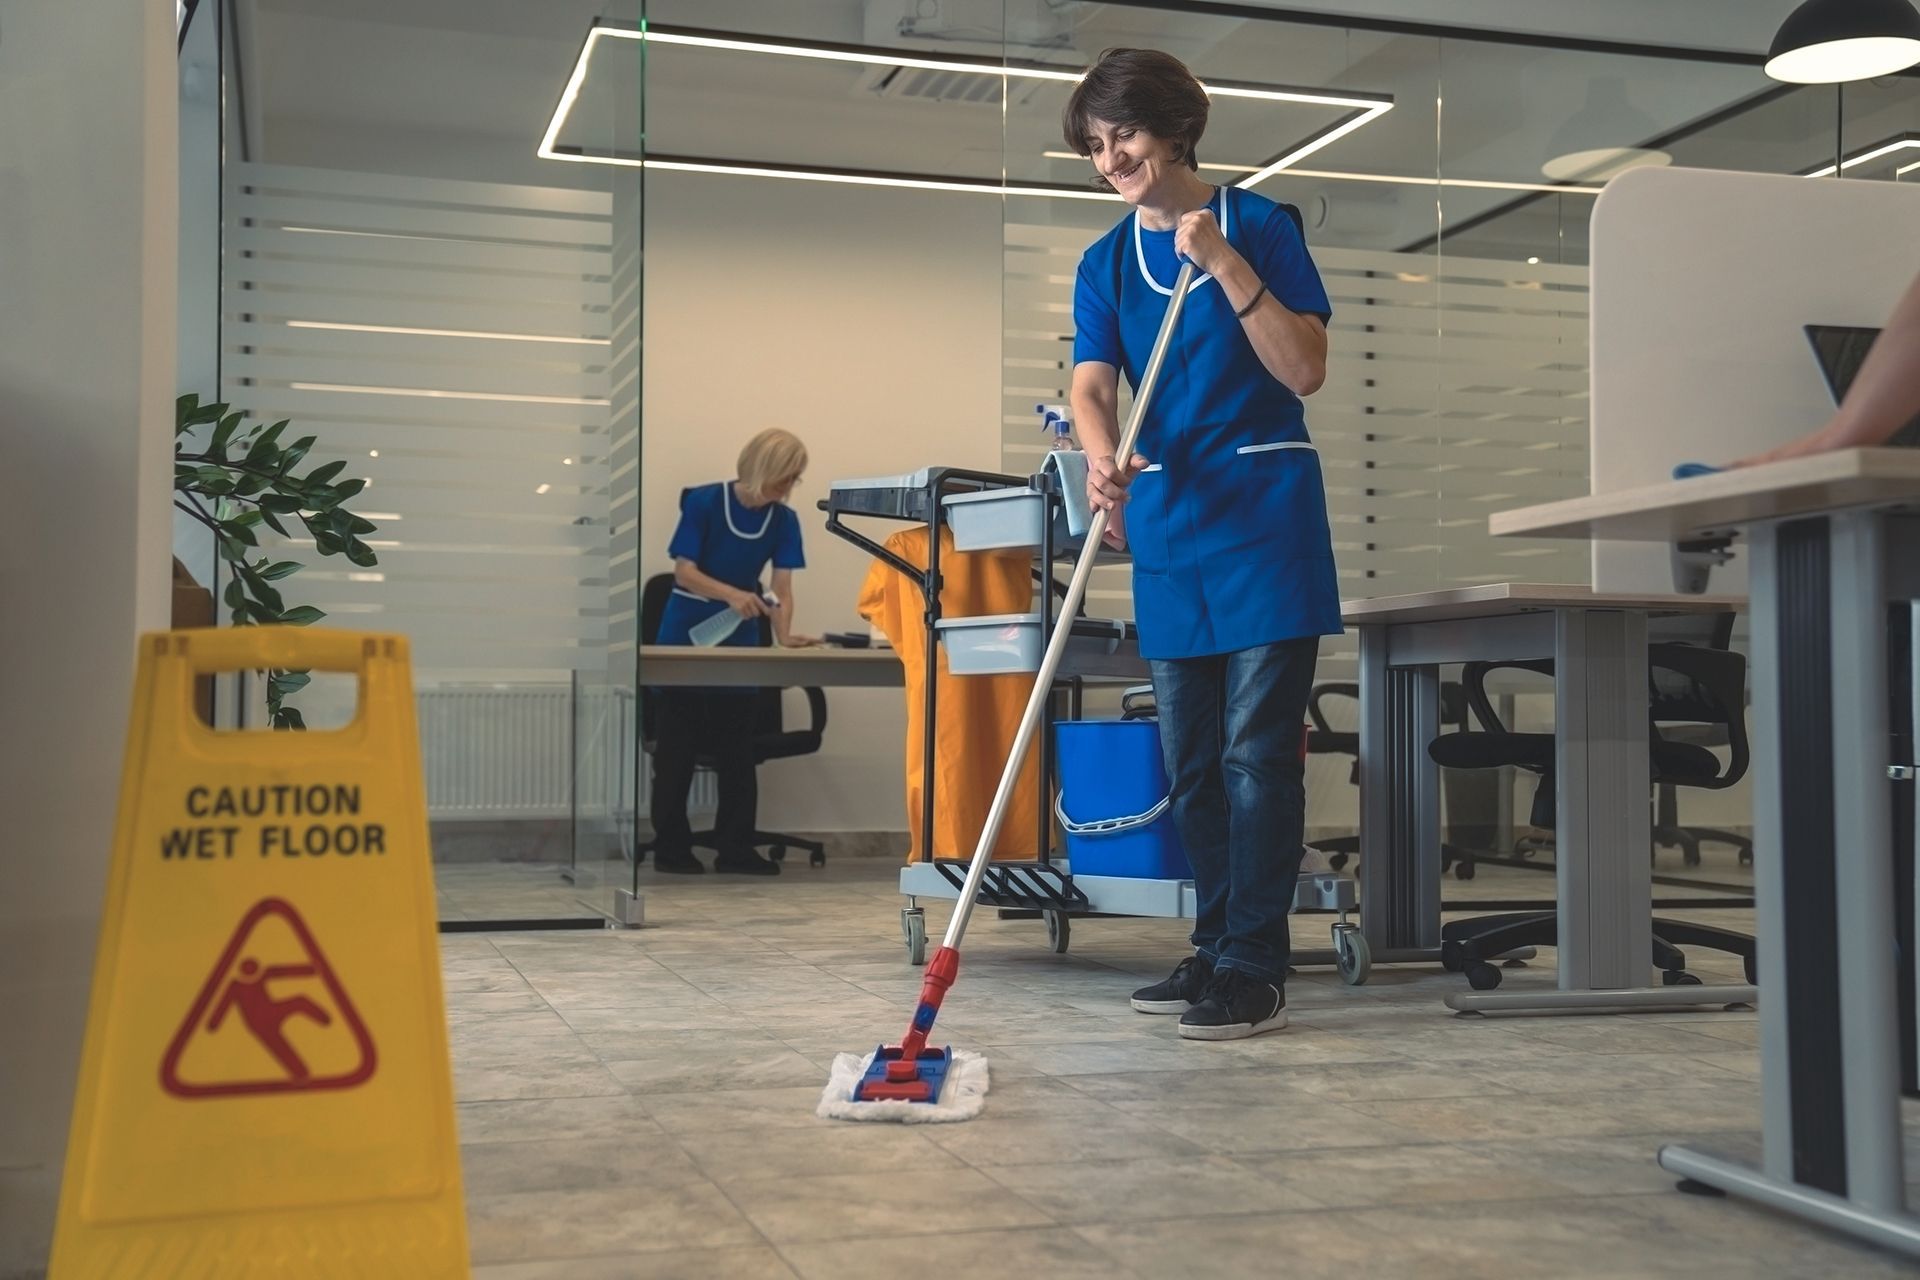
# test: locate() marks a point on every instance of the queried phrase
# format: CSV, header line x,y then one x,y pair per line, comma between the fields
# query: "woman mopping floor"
x,y
1233,577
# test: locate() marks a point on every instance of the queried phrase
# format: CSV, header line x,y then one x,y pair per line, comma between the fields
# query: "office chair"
x,y
1687,685
1323,738
1712,631
771,741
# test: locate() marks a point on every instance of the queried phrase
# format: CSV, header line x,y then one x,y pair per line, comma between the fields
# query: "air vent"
x,y
920,84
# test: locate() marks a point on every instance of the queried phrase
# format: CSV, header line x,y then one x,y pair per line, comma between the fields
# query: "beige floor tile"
x,y
1082,1191
1054,1253
862,1205
751,1064
1296,1125
1046,1139
537,1225
553,1119
640,1162
825,1147
758,1262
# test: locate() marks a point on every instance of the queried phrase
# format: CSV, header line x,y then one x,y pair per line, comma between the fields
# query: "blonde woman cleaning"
x,y
729,532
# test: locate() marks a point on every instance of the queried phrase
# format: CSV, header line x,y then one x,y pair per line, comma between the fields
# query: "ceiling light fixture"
x,y
1365,108
446,333
1905,142
1584,147
1833,41
1483,184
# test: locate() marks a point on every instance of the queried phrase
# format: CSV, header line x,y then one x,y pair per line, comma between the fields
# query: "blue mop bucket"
x,y
1113,801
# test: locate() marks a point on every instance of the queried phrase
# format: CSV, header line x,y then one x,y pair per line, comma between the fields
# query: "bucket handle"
x,y
1106,826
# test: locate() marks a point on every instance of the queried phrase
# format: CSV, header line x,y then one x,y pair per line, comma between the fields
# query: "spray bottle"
x,y
1054,417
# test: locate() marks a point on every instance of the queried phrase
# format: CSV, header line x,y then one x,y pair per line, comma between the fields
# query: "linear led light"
x,y
1486,184
446,333
1367,108
1902,143
444,395
1905,169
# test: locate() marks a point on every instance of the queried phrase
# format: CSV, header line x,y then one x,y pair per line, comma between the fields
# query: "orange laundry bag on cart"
x,y
978,716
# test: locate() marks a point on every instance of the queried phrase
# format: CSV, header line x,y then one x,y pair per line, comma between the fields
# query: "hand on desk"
x,y
798,642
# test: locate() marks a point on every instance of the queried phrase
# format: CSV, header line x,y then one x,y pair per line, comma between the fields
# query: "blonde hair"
x,y
770,459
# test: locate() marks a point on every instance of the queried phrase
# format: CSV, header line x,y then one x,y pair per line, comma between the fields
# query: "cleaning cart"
x,y
987,511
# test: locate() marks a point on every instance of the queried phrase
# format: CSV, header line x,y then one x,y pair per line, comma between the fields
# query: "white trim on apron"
x,y
1140,257
726,502
1279,444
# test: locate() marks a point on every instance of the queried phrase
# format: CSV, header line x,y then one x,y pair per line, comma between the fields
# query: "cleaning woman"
x,y
1224,511
728,534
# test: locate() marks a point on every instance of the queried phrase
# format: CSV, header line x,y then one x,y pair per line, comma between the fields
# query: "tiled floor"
x,y
640,1104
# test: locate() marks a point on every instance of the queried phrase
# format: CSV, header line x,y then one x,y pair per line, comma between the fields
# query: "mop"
x,y
911,1082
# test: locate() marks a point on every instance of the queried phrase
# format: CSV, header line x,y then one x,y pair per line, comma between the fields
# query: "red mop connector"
x,y
909,1071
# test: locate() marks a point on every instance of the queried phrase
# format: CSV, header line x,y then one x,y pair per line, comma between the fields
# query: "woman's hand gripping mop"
x,y
909,1081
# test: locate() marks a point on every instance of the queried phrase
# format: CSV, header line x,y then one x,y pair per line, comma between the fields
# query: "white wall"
x,y
88,206
865,320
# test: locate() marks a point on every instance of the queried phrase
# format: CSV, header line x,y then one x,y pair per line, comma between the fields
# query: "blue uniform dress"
x,y
734,543
1233,572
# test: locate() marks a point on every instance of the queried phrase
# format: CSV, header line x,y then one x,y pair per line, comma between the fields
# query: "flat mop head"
x,y
960,1094
890,1077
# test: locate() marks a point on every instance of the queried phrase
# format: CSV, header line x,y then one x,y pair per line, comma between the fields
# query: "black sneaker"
x,y
678,864
1234,1006
1178,993
749,863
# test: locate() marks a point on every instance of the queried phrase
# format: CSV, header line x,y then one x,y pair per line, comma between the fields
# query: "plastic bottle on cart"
x,y
1054,417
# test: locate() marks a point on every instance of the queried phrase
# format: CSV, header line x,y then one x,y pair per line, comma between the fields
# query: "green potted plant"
x,y
236,478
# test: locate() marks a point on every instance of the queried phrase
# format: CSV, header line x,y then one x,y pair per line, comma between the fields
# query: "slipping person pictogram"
x,y
265,1015
240,989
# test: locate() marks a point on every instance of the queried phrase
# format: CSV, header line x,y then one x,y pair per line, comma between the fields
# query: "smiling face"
x,y
1135,163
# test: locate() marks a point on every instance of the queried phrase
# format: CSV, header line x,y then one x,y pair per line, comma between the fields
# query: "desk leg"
x,y
1605,835
1399,805
1829,1064
1603,838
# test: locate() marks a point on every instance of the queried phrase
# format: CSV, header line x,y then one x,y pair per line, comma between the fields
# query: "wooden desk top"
x,y
1499,599
1722,503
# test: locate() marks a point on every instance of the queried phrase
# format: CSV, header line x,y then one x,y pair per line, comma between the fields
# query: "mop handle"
x,y
1063,625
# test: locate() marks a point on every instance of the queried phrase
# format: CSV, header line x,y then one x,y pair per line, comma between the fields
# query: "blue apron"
x,y
733,543
1228,526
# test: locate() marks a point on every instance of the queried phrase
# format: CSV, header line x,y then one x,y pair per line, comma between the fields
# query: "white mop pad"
x,y
961,1098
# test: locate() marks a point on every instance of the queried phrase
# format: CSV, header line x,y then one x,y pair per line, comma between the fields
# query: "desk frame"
x,y
1829,1029
1604,839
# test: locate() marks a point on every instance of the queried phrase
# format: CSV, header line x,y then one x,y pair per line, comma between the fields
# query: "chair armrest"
x,y
1722,673
817,709
1474,676
1334,689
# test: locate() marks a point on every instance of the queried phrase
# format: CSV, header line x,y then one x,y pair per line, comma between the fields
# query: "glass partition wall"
x,y
405,278
900,220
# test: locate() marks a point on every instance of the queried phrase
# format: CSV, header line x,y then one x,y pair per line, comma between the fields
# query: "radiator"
x,y
507,751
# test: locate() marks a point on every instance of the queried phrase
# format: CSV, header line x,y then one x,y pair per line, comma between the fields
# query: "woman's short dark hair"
x,y
1142,89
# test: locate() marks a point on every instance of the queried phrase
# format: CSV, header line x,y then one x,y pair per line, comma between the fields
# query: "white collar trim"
x,y
1140,257
727,501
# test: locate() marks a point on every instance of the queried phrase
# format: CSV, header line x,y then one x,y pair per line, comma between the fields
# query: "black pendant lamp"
x,y
1830,41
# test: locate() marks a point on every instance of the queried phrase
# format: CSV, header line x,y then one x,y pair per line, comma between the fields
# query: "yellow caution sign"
x,y
265,1090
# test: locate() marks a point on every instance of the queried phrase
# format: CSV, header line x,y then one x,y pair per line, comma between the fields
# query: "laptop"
x,y
1841,350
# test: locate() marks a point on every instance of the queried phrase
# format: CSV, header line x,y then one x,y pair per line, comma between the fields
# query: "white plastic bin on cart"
x,y
996,519
1011,643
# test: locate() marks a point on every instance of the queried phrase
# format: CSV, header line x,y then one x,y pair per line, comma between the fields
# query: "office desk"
x,y
671,664
1832,539
1603,841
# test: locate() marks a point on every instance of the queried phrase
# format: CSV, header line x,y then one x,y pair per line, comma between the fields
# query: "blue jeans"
x,y
1230,733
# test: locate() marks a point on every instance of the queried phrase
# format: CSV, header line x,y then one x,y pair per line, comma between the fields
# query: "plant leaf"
x,y
362,554
301,615
289,718
325,474
348,488
280,503
280,569
273,522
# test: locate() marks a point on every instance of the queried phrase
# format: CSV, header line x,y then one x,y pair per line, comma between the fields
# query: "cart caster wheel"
x,y
913,924
1746,857
1751,964
1679,978
1482,976
1451,958
1338,861
1059,933
1351,954
1463,870
778,853
1690,858
818,858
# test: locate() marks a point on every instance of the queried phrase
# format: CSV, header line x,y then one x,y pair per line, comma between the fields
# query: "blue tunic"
x,y
732,542
1228,527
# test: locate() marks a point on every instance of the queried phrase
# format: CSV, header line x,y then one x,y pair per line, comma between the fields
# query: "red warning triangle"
x,y
270,1018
